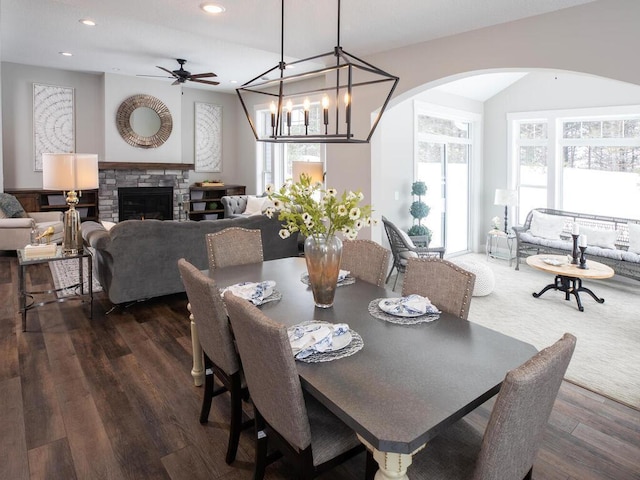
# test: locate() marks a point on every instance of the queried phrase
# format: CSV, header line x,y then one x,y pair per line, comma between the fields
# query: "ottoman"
x,y
485,279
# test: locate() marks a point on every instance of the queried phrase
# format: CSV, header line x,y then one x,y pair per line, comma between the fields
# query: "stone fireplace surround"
x,y
113,175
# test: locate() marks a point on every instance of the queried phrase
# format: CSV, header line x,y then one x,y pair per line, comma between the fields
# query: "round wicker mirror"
x,y
124,121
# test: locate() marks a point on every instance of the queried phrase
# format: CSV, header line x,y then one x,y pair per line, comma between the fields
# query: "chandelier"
x,y
328,99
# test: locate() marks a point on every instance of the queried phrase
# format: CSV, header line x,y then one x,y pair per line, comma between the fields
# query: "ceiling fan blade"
x,y
168,71
154,76
177,82
208,82
203,75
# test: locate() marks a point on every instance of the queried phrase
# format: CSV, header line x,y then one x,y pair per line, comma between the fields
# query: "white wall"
x,y
118,88
17,118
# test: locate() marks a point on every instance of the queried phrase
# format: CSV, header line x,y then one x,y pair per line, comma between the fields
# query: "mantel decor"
x,y
329,98
53,121
208,137
125,114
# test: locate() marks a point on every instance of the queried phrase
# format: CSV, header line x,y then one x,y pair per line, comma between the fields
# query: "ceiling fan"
x,y
181,75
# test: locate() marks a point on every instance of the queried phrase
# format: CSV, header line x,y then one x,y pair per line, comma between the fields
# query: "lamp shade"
x,y
506,197
69,171
315,170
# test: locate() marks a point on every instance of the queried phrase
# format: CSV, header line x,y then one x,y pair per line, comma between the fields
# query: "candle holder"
x,y
583,259
574,253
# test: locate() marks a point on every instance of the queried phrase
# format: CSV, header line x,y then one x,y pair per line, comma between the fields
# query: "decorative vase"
x,y
323,256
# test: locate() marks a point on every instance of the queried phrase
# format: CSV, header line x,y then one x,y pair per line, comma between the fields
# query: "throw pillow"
x,y
634,237
546,226
267,204
11,206
254,205
407,238
107,225
598,237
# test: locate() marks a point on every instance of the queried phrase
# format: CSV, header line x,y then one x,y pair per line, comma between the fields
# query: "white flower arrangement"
x,y
308,208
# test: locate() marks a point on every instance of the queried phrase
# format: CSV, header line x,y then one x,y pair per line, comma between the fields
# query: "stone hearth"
x,y
113,175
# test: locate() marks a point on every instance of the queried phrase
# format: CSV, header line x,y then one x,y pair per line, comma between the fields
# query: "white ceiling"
x,y
133,36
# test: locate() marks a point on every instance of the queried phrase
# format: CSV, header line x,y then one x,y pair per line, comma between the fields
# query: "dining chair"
x,y
516,425
220,356
234,246
366,260
302,429
403,248
448,286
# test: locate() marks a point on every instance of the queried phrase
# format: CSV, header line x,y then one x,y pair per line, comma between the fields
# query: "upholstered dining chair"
x,y
366,260
234,246
448,286
301,428
220,356
508,448
403,248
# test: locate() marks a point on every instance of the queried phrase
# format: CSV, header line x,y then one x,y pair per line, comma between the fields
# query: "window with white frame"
x,y
585,160
275,160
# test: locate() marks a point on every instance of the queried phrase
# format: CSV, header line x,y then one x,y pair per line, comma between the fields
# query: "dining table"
x,y
408,383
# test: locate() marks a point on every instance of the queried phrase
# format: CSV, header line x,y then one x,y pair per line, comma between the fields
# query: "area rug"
x,y
65,273
607,355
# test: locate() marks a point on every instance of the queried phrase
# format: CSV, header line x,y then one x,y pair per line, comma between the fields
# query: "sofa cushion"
x,y
254,205
11,206
634,237
630,257
546,226
598,237
594,252
527,237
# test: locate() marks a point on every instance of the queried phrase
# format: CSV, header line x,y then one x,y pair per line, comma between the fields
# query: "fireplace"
x,y
136,203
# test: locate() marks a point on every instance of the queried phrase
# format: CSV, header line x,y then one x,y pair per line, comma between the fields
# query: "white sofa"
x,y
15,233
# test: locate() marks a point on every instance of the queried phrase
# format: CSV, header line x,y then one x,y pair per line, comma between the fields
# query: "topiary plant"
x,y
419,210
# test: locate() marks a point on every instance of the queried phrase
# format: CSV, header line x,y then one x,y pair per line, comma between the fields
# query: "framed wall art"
x,y
208,137
53,121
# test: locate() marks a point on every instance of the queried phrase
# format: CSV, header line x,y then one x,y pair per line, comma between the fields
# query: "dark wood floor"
x,y
113,398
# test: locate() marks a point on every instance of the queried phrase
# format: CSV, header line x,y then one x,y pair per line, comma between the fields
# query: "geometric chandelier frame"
x,y
334,93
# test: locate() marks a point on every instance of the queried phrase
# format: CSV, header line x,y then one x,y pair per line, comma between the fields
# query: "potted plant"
x,y
418,211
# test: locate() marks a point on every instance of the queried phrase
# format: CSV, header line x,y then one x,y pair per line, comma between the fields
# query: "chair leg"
x,y
261,446
529,475
389,276
236,419
207,395
396,280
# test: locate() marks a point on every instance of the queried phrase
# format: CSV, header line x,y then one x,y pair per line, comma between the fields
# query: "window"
x,y
443,152
274,160
585,160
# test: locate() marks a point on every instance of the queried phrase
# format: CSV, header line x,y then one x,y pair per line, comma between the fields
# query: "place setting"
x,y
257,293
315,341
408,310
344,278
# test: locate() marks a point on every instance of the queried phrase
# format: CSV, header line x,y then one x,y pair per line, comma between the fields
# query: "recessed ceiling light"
x,y
210,7
233,81
88,22
66,54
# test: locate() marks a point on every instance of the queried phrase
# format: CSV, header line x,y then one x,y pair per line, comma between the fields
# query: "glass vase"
x,y
323,254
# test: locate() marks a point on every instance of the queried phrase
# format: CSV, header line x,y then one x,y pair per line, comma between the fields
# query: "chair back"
x,y
521,412
365,260
210,317
234,246
270,370
397,241
448,286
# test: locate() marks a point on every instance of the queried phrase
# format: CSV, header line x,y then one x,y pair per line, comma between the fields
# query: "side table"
x,y
492,246
24,262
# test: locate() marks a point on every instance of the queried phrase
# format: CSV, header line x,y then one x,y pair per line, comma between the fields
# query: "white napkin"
x,y
411,305
314,337
342,274
252,291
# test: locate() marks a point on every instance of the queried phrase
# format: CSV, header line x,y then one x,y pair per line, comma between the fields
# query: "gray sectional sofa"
x,y
611,240
137,259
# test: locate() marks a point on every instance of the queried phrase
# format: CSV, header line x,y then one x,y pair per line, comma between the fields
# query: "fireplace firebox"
x,y
139,203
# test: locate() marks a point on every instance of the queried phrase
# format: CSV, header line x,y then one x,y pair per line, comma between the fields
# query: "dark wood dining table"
x,y
408,383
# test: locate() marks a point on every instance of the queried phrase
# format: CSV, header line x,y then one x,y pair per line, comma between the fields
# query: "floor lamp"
x,y
71,173
507,198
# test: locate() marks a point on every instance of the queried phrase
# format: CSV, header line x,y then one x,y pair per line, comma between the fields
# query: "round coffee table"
x,y
569,277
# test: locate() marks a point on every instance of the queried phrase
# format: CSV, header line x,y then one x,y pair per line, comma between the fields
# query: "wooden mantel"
x,y
144,166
